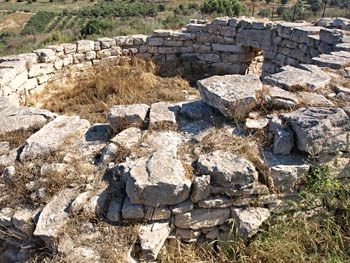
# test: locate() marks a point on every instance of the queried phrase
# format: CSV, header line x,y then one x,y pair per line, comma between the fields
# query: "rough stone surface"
x,y
283,142
123,116
196,110
163,114
158,180
281,99
152,238
202,218
182,207
230,94
200,188
130,211
54,215
315,100
128,138
52,136
256,123
228,170
320,130
14,118
215,202
114,210
249,219
291,77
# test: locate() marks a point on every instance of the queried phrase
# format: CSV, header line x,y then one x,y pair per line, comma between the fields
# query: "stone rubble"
x,y
174,180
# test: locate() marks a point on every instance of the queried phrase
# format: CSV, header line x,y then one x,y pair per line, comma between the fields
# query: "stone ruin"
x,y
298,62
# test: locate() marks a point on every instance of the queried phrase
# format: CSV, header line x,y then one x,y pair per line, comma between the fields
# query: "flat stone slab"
x,y
53,135
202,218
14,118
315,100
281,98
226,169
230,94
54,215
152,238
249,220
123,116
331,61
158,180
320,130
128,138
163,115
291,77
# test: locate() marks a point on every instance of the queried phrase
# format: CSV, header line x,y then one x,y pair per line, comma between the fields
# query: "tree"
x,y
223,7
96,26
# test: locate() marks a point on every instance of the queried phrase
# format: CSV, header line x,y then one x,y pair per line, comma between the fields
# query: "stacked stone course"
x,y
223,46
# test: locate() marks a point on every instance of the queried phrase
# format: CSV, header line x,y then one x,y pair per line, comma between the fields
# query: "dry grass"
x,y
91,97
14,22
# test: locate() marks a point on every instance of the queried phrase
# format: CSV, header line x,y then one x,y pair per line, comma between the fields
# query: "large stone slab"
x,y
249,220
152,238
15,118
123,116
54,215
291,77
52,136
158,180
230,94
202,218
281,98
320,130
226,169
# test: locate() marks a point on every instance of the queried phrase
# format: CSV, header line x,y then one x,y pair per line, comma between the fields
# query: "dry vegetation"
x,y
91,97
14,22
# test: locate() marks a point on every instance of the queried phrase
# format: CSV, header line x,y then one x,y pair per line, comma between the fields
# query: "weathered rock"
x,y
286,170
163,115
183,207
23,220
202,218
230,94
109,153
128,138
215,202
114,210
8,174
158,180
291,77
46,55
152,238
123,116
4,148
283,142
84,46
157,213
54,215
256,123
280,98
52,136
200,188
196,110
163,141
131,211
228,169
58,169
187,233
320,130
250,219
331,61
14,118
314,100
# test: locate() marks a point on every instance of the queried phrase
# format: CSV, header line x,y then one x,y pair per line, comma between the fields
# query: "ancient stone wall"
x,y
223,46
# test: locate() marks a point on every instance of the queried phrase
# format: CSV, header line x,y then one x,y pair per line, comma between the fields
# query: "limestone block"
x,y
283,142
331,36
18,81
46,55
132,211
209,57
300,34
157,181
155,41
90,55
106,42
124,116
103,53
230,94
202,218
163,114
139,40
79,58
152,238
249,220
200,188
228,170
68,60
215,202
162,33
69,48
230,48
320,130
40,70
84,46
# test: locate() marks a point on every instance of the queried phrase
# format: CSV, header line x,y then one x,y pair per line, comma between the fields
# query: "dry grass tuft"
x,y
92,96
